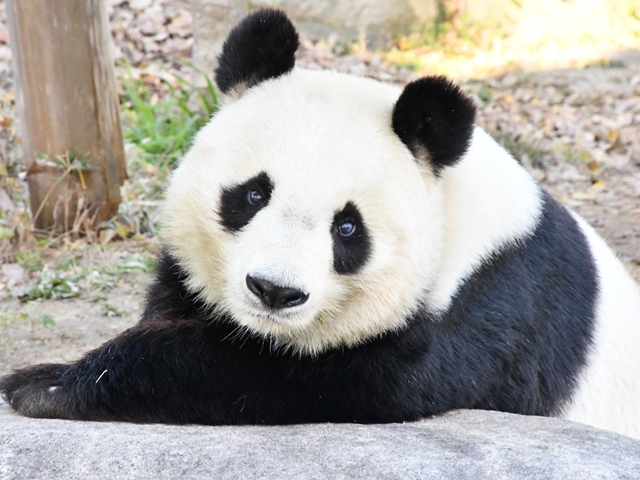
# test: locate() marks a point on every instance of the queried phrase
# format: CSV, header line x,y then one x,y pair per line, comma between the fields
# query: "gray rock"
x,y
460,445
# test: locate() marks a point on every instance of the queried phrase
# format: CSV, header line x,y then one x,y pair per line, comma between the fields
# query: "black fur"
x,y
260,47
435,119
350,253
514,339
235,209
167,298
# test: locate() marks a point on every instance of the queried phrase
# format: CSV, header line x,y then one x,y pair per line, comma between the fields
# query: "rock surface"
x,y
461,445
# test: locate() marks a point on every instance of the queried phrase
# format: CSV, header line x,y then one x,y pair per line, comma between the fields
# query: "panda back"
x,y
609,389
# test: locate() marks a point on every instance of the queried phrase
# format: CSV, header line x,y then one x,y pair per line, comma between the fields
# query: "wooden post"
x,y
68,103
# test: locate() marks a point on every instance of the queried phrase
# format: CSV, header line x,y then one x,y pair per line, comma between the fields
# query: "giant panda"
x,y
342,250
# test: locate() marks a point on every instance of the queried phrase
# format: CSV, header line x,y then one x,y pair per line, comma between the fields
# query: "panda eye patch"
x,y
351,242
239,203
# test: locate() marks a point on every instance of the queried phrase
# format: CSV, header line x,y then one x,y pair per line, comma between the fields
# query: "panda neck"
x,y
490,202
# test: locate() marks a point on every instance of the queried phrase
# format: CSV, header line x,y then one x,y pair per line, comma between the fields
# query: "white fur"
x,y
608,395
490,202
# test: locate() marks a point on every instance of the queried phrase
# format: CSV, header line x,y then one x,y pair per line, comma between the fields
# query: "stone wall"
x,y
349,19
528,22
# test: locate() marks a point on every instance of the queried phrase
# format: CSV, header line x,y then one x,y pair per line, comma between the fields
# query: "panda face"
x,y
301,214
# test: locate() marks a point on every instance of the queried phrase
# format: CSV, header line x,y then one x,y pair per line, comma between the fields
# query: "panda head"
x,y
309,209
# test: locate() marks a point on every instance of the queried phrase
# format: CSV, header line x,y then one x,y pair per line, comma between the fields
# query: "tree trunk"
x,y
68,108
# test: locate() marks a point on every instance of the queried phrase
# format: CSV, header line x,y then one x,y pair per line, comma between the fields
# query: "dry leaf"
x,y
593,165
124,231
613,135
580,196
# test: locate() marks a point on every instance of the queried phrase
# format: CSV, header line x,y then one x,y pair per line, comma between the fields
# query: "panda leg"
x,y
193,372
143,375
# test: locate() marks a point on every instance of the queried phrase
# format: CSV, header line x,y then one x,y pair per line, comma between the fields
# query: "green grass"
x,y
54,285
29,260
46,320
57,283
163,130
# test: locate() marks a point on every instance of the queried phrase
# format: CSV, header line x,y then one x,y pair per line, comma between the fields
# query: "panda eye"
x,y
346,228
255,198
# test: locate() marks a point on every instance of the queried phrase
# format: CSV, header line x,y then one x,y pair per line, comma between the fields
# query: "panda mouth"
x,y
251,311
274,315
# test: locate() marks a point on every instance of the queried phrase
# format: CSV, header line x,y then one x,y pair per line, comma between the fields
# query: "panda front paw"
x,y
36,391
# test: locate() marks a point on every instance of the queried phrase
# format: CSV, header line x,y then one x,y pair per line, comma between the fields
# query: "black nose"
x,y
275,296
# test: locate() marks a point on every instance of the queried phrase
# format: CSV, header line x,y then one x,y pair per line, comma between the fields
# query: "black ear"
x,y
260,47
435,119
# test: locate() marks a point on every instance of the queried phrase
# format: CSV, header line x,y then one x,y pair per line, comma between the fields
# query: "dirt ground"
x,y
79,324
577,130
